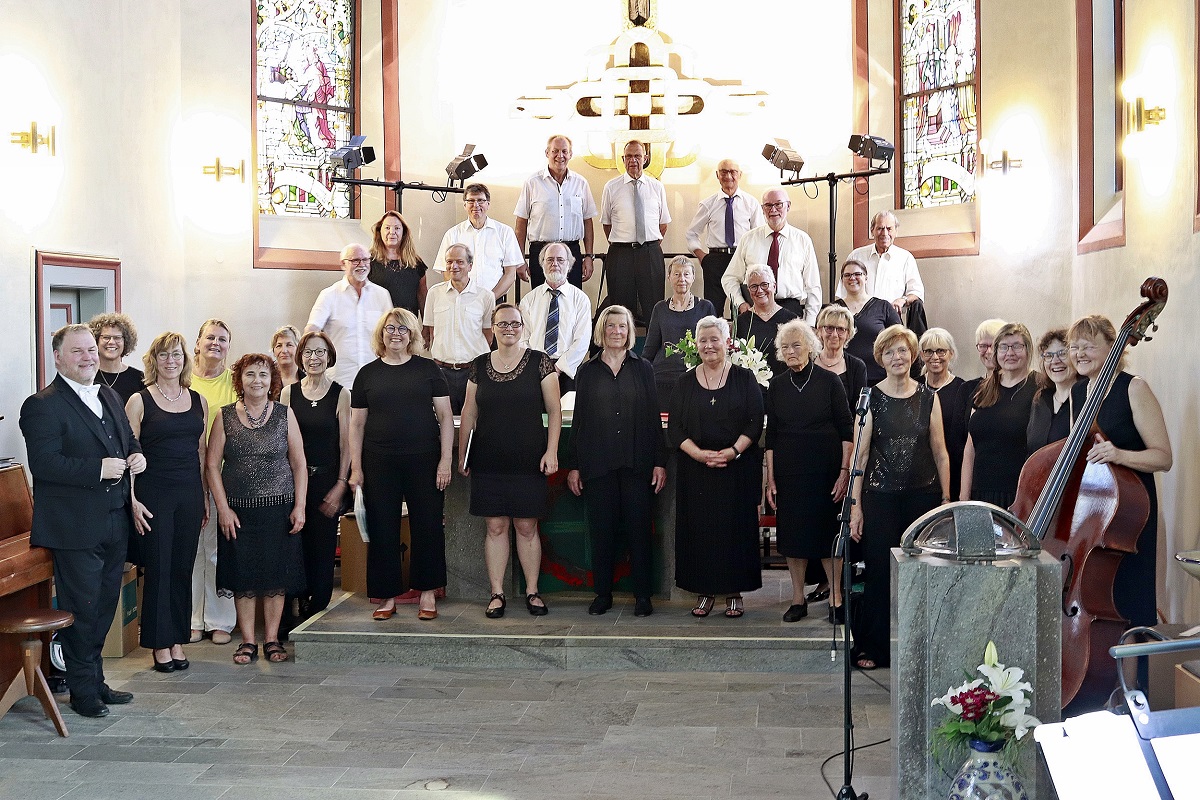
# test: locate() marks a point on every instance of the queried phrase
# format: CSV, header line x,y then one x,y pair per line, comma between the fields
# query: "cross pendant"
x,y
713,401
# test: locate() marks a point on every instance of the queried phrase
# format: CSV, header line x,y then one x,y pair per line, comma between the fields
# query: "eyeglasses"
x,y
1083,348
774,206
940,352
394,329
726,172
854,275
1015,347
356,261
983,347
508,326
476,202
315,353
835,330
760,288
112,338
1054,355
176,356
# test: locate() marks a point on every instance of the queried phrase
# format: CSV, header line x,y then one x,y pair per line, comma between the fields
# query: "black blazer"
x,y
590,443
66,443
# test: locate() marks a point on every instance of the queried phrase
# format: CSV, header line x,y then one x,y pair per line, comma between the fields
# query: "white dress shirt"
x,y
889,276
708,226
349,319
90,395
493,247
799,276
574,324
555,212
616,208
458,320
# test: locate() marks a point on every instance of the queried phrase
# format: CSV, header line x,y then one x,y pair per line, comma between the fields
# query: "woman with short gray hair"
x,y
762,320
669,322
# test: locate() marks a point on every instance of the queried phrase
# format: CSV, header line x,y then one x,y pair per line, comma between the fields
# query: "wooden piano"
x,y
25,571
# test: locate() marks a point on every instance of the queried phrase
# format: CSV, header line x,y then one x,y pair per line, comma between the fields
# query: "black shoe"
x,y
165,666
89,707
498,611
642,607
181,663
601,604
795,613
817,595
115,697
537,611
837,615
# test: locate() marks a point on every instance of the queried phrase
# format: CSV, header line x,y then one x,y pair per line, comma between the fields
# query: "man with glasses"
x,y
347,312
633,211
556,205
493,244
891,271
720,223
558,316
788,251
458,321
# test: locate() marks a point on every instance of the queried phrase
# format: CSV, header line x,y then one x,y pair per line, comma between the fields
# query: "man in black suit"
x,y
82,454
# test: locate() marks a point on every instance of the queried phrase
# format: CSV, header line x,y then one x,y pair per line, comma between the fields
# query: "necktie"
x,y
729,222
773,256
639,213
552,324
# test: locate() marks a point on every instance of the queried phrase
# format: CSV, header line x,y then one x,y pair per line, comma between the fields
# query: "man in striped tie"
x,y
558,315
720,222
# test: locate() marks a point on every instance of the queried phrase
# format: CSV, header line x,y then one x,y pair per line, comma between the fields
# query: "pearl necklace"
x,y
688,305
164,394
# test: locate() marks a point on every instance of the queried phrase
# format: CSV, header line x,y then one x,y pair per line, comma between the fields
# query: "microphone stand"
x,y
399,186
842,550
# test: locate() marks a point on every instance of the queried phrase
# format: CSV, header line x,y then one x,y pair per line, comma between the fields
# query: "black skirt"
x,y
523,496
265,559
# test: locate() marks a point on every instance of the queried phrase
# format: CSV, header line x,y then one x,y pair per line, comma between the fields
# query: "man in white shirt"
x,y
458,321
891,271
493,244
633,211
720,222
788,251
556,205
558,316
347,313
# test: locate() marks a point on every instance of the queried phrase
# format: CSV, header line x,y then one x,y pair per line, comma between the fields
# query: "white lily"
x,y
1019,721
955,708
1006,682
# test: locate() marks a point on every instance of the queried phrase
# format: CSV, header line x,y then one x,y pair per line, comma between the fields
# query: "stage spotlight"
x,y
872,148
783,156
465,165
353,155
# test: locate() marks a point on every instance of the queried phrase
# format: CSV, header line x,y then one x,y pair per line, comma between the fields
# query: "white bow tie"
x,y
89,391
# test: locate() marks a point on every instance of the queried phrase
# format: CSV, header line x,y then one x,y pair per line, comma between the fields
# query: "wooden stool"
x,y
32,623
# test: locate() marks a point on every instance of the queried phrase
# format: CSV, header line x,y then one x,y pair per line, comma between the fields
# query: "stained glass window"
x,y
939,101
305,85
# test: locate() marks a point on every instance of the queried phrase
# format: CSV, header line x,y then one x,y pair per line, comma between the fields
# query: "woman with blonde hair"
x,y
938,354
284,343
835,327
395,264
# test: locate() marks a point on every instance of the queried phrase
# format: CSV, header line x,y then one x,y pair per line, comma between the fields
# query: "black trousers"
x,y
537,277
636,278
713,266
319,538
791,304
565,383
389,481
168,553
619,505
456,379
88,584
886,515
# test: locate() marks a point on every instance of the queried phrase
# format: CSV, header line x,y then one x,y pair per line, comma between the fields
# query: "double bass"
x,y
1089,516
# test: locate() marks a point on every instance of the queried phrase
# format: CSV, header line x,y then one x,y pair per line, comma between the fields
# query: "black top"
x,y
318,423
955,402
125,383
808,418
853,378
901,457
668,327
256,471
399,402
616,422
998,433
171,441
869,322
714,418
401,282
750,324
1116,414
1045,424
510,437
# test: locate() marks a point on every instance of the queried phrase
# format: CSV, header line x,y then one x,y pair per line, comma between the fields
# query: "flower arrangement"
x,y
991,709
741,352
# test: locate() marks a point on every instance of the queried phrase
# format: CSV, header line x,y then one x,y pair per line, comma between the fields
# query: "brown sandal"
x,y
275,652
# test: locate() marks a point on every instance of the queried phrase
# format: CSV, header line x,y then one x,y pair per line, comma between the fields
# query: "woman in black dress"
x,y
669,323
511,451
1050,418
762,320
395,264
169,508
716,419
1136,437
809,442
116,338
285,343
938,353
871,316
616,450
996,440
906,473
256,471
401,450
322,409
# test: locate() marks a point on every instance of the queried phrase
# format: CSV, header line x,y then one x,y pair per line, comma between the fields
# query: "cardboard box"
x,y
1187,685
354,554
122,637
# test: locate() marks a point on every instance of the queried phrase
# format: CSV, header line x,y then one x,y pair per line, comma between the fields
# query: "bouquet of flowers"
x,y
991,709
741,352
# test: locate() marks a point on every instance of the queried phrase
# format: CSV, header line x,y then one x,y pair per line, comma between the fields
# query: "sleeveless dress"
x,y
265,559
319,429
999,435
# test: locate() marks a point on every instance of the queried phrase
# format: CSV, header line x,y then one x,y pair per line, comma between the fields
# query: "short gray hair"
x,y
760,269
713,322
806,333
546,249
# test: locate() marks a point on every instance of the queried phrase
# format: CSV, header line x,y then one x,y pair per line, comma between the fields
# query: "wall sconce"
x,y
1138,116
219,171
32,140
1004,163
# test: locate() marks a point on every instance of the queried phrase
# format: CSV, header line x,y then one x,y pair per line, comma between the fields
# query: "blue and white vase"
x,y
984,776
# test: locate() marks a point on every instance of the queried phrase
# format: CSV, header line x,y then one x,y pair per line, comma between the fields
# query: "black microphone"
x,y
864,402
